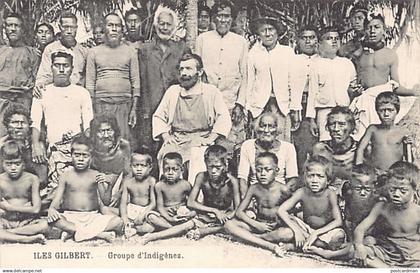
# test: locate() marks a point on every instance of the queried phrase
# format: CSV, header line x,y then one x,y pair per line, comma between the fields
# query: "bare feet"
x,y
129,232
193,234
38,238
280,250
65,236
108,236
145,239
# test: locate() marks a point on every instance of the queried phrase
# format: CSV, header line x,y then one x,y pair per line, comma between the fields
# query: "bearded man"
x,y
111,157
112,76
191,116
158,70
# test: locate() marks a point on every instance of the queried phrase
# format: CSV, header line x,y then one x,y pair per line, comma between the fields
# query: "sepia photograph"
x,y
209,134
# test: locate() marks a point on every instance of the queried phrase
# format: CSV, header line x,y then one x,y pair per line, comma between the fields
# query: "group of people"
x,y
286,149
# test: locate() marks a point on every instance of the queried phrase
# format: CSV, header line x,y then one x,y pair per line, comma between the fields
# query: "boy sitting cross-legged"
x,y
266,230
20,201
172,191
220,194
138,197
399,245
321,214
77,195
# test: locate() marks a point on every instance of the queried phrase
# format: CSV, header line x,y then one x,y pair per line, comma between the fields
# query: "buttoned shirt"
x,y
79,54
333,77
268,74
225,64
302,69
18,66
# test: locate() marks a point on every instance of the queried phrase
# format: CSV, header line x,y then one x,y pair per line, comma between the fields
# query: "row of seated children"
x,y
265,217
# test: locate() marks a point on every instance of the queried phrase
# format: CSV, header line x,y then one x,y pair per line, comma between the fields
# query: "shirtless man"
x,y
377,71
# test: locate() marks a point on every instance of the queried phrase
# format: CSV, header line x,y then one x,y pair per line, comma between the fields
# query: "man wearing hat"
x,y
268,74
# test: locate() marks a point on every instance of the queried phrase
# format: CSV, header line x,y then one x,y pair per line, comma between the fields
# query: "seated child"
x,y
138,195
266,230
172,191
20,200
77,193
321,224
360,196
399,245
220,194
386,139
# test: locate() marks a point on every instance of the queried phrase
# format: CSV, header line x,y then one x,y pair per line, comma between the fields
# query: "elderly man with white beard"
x,y
191,116
158,70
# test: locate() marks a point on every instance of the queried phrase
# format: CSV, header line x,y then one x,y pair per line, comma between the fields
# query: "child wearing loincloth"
x,y
20,200
138,197
77,195
321,224
266,230
220,194
174,218
399,245
386,139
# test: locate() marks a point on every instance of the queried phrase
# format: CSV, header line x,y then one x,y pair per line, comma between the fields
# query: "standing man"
x,y
268,75
66,110
333,76
225,55
358,20
66,43
18,66
132,24
112,76
191,116
203,19
302,76
377,72
158,71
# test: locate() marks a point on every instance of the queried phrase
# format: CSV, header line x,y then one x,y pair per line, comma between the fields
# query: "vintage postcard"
x,y
209,134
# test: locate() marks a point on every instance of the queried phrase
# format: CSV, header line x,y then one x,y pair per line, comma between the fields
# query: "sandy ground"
x,y
211,251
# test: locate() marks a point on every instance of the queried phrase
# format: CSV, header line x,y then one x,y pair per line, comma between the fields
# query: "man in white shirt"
x,y
66,43
224,56
268,75
331,83
302,69
66,109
